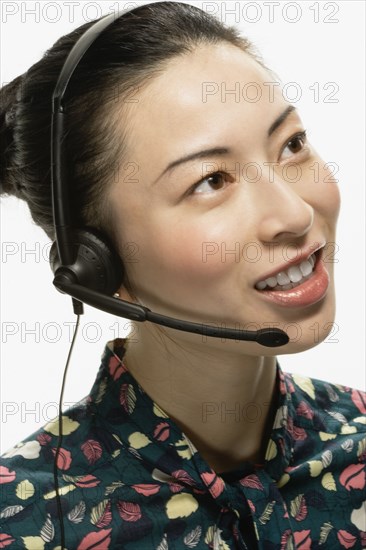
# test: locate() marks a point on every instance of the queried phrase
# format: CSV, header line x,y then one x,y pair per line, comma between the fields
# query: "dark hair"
x,y
126,55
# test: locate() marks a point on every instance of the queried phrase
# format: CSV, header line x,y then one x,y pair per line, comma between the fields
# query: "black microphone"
x,y
269,337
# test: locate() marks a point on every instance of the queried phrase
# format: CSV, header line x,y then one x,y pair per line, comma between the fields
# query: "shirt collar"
x,y
138,424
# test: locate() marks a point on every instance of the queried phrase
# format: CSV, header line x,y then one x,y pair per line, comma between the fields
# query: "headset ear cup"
x,y
97,265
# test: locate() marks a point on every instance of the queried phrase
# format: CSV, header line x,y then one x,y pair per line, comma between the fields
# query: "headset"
x,y
84,262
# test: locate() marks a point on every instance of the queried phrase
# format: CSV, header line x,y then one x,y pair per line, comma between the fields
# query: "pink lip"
x,y
304,256
310,292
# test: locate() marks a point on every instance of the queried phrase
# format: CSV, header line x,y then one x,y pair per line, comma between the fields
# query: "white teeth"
x,y
283,278
306,268
289,278
294,273
261,285
272,282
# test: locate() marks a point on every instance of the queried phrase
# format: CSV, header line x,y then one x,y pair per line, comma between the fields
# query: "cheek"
x,y
191,251
326,197
206,247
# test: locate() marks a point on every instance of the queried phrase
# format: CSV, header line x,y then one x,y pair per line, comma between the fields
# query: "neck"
x,y
221,398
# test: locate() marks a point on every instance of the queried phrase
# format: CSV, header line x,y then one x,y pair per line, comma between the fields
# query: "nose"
x,y
283,213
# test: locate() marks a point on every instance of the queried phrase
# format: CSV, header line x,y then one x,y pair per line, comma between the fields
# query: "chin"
x,y
318,325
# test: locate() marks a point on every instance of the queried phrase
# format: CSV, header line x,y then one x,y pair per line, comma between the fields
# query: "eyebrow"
x,y
215,151
279,120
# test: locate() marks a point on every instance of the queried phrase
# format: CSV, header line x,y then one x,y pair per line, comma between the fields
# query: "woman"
x,y
151,458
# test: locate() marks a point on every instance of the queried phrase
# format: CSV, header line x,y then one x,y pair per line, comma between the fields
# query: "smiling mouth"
x,y
292,277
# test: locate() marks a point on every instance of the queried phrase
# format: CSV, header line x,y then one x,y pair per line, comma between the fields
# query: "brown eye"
x,y
214,181
296,143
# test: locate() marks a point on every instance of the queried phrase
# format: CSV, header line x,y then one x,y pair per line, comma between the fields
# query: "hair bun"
x,y
10,96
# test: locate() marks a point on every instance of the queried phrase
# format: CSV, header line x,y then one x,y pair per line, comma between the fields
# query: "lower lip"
x,y
310,292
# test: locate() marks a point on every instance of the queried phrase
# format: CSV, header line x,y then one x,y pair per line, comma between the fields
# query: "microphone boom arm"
x,y
269,337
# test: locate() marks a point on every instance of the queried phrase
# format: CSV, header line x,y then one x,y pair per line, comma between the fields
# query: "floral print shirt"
x,y
130,479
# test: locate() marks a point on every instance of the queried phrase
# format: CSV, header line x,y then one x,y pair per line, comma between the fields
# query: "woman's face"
x,y
196,253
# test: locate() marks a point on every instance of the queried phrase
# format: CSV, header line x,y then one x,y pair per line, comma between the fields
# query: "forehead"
x,y
211,72
212,63
210,88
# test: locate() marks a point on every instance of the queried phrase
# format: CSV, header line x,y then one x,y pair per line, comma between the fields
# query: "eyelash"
x,y
299,135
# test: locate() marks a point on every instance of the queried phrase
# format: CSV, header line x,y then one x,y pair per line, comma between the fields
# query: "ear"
x,y
125,292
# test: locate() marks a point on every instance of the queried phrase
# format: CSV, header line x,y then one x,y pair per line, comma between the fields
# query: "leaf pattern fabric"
x,y
130,479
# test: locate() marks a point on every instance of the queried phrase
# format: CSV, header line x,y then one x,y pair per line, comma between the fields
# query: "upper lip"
x,y
314,247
